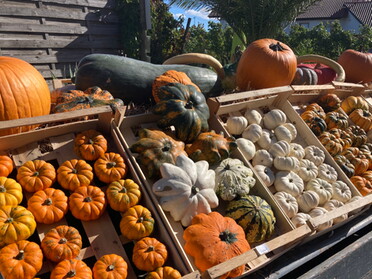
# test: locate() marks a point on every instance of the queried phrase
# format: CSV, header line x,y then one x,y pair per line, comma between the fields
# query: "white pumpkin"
x,y
282,133
274,118
323,188
280,148
186,189
307,170
235,125
300,219
267,139
355,198
292,129
262,157
319,211
314,154
332,205
341,191
287,202
296,150
254,116
286,163
246,147
253,132
288,181
307,200
266,174
327,172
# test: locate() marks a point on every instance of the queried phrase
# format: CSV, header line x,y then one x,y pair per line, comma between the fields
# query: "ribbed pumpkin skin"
x,y
164,272
357,66
23,91
110,167
74,173
6,165
71,269
10,192
255,215
90,145
149,254
137,223
110,266
123,194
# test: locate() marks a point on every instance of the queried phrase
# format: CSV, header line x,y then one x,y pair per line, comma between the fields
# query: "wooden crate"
x,y
55,145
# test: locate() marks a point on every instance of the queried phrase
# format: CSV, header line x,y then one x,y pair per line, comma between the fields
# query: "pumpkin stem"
x,y
111,267
194,190
227,167
189,105
9,220
74,171
36,173
150,249
228,236
140,219
166,147
20,255
88,199
62,240
110,165
71,273
276,47
48,201
123,190
90,141
2,189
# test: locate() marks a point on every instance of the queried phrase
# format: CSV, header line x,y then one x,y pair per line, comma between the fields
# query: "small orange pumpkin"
x,y
6,165
90,145
164,272
71,269
362,118
123,194
74,173
110,167
149,254
329,102
137,223
110,266
363,185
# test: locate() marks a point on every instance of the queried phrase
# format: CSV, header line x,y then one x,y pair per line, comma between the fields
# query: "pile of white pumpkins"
x,y
302,183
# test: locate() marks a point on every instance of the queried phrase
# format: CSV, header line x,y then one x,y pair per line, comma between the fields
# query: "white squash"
x,y
246,147
253,132
307,200
267,139
319,211
287,202
266,174
341,191
314,154
280,148
307,170
282,133
262,157
286,163
274,118
186,189
292,129
327,172
288,181
254,116
235,125
332,205
300,219
355,198
323,188
296,150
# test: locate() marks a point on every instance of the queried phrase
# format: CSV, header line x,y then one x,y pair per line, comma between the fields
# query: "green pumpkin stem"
x,y
111,267
123,190
71,273
2,189
88,199
110,165
62,240
36,173
276,47
228,236
20,255
9,220
150,249
48,201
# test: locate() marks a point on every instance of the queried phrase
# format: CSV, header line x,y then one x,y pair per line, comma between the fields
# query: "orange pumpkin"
x,y
110,167
354,102
74,173
36,175
90,145
23,92
123,194
329,102
71,269
164,272
6,165
266,63
149,254
362,118
363,185
319,111
10,191
137,223
357,66
110,266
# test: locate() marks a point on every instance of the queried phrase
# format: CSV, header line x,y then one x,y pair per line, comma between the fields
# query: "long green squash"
x,y
131,80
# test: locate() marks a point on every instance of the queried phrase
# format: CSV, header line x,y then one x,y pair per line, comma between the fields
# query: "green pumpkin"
x,y
255,215
185,108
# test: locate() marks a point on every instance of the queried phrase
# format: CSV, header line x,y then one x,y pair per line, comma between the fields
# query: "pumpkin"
x,y
357,65
346,166
358,135
110,266
123,194
22,259
284,132
90,145
235,125
186,189
314,154
265,63
254,116
6,165
233,179
212,239
110,167
10,191
253,132
296,150
262,157
149,254
332,143
16,223
72,268
185,108
164,272
61,243
300,219
291,128
265,174
305,76
289,182
308,115
154,148
211,147
137,223
317,125
274,118
307,170
267,139
336,119
363,185
315,107
287,202
360,165
362,118
286,163
247,148
24,93
280,148
319,211
87,203
323,188
329,102
307,200
74,173
351,103
327,172
36,175
48,206
333,204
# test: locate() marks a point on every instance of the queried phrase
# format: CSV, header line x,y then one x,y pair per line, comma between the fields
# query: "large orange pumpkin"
x,y
266,63
23,92
357,66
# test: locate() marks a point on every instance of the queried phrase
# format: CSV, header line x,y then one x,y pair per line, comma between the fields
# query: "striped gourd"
x,y
255,215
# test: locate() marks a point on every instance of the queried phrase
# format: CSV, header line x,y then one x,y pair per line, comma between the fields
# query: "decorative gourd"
x,y
357,65
305,76
137,223
308,115
72,268
6,165
336,119
87,203
287,202
323,188
212,239
327,172
266,174
363,185
123,194
280,148
345,165
22,259
329,102
235,125
266,63
186,189
307,200
110,167
332,143
307,170
358,135
61,243
254,116
246,147
48,206
314,154
360,163
149,254
315,107
74,173
267,139
24,93
296,150
262,157
155,148
288,181
110,266
16,223
90,145
319,211
317,125
274,118
164,272
352,103
36,175
253,132
233,179
10,191
300,219
292,129
286,163
211,147
333,204
362,118
255,215
184,108
283,133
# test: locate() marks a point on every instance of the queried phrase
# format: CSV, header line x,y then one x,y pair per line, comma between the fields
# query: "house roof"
x,y
362,11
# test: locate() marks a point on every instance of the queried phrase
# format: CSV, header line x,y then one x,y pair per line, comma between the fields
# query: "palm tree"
x,y
252,19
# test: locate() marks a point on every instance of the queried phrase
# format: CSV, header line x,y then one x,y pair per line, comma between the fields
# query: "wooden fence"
x,y
53,35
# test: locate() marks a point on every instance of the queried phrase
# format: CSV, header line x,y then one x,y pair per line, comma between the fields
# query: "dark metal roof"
x,y
325,9
362,11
